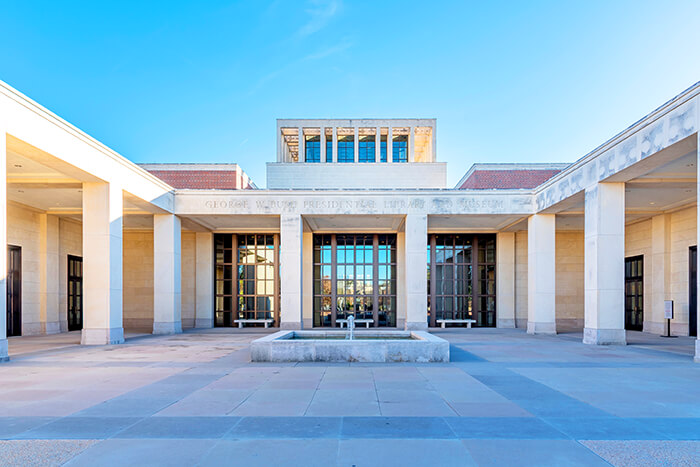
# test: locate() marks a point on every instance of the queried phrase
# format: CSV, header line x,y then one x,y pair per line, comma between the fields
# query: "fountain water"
x,y
351,328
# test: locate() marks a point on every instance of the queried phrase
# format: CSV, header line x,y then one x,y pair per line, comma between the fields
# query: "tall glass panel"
x,y
313,149
329,148
355,274
462,278
346,148
245,278
399,149
367,151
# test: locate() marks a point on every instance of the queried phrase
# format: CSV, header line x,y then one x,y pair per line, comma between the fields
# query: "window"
x,y
399,149
382,149
313,149
246,282
354,274
329,148
367,151
346,149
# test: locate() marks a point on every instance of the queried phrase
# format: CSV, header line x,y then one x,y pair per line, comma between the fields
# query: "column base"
x,y
505,323
52,328
4,354
167,328
203,323
697,351
290,325
604,336
102,336
541,328
416,326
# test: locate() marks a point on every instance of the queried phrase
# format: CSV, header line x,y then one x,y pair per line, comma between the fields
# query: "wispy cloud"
x,y
320,12
328,51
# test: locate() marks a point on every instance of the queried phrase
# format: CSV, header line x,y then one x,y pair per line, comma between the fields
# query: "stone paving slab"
x,y
506,399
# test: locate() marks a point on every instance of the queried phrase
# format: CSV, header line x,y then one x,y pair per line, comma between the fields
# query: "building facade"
x,y
357,219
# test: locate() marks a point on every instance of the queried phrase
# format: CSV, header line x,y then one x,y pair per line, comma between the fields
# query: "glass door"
x,y
354,274
634,293
75,293
461,278
14,291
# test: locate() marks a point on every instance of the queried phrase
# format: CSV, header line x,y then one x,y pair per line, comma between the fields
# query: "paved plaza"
x,y
506,398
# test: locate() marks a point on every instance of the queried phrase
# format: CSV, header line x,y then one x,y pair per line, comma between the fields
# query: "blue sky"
x,y
204,81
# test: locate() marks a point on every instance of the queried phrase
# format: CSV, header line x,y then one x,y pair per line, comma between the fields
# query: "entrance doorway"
x,y
462,278
75,293
354,275
246,279
693,289
14,291
634,293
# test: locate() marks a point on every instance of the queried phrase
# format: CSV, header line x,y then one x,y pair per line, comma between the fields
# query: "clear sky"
x,y
204,81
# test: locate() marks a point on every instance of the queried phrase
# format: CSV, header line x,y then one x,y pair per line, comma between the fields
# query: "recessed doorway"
x,y
634,293
693,289
75,293
14,291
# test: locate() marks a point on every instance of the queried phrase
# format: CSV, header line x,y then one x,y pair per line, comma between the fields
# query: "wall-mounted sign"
x,y
668,309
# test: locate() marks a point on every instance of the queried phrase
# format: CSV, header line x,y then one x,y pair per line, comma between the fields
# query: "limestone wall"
x,y
569,276
70,243
570,279
23,231
137,283
640,240
520,279
188,270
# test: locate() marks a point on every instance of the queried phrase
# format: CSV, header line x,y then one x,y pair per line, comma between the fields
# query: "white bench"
x,y
242,321
344,322
456,321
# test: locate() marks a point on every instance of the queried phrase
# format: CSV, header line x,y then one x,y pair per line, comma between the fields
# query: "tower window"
x,y
313,149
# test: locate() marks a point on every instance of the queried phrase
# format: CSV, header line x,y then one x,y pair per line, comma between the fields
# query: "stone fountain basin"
x,y
368,346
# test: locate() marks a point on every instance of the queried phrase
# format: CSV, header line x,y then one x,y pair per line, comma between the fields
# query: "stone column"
x,y
697,234
412,144
302,145
167,296
505,279
604,264
291,229
102,264
356,146
389,145
3,241
541,272
660,283
48,274
204,280
323,145
416,261
378,145
334,149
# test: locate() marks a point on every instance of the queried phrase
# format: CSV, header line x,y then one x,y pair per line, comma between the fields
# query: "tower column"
x,y
390,145
378,145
